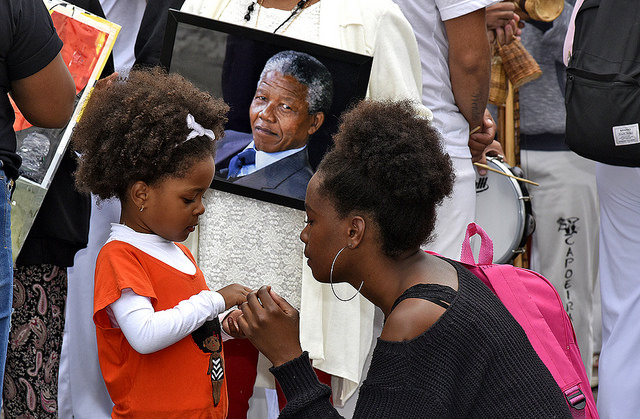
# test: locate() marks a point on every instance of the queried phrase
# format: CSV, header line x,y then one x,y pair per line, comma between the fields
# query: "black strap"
x,y
441,295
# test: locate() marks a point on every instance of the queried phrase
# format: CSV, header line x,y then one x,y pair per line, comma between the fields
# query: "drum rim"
x,y
521,193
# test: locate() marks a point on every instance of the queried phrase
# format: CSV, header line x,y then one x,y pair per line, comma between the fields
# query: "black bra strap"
x,y
436,293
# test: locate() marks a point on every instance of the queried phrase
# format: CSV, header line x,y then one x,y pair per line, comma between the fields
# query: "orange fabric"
x,y
82,47
172,382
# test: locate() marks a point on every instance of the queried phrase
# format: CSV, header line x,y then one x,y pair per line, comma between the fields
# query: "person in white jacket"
x,y
373,27
376,28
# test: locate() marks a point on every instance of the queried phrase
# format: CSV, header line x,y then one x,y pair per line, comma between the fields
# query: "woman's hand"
x,y
272,325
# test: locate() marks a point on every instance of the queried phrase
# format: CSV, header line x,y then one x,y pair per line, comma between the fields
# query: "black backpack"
x,y
602,94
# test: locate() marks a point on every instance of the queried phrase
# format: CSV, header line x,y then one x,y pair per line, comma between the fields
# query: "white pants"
x,y
564,246
456,212
82,393
619,372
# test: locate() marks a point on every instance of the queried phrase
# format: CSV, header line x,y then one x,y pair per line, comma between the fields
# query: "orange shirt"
x,y
172,382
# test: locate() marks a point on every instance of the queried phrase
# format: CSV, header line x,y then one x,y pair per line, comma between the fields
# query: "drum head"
x,y
500,211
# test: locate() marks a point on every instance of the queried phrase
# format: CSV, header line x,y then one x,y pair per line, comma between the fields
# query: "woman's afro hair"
x,y
134,129
388,163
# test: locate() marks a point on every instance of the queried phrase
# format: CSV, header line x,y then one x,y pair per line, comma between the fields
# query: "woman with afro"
x,y
448,347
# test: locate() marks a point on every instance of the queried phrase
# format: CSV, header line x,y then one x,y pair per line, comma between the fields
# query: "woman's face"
x,y
324,233
279,114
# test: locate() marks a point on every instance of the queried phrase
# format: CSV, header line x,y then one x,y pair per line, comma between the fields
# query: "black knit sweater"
x,y
474,362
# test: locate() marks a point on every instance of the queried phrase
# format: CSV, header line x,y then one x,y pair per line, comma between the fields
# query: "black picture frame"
x,y
213,54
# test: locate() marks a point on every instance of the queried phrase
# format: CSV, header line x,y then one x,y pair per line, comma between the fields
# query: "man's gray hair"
x,y
308,71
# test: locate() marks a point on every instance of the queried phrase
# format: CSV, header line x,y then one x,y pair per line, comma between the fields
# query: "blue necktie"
x,y
244,158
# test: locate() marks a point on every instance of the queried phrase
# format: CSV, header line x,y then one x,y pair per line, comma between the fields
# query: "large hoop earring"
x,y
331,279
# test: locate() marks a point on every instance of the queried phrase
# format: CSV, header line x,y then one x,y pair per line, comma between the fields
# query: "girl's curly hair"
x,y
134,129
389,164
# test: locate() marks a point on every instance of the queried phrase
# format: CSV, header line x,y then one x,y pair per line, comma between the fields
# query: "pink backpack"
x,y
534,302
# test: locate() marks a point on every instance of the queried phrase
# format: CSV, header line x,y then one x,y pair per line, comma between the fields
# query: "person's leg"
x,y
85,389
6,271
36,338
565,242
619,371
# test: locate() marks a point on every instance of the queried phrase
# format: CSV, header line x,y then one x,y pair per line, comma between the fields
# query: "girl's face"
x,y
174,204
322,234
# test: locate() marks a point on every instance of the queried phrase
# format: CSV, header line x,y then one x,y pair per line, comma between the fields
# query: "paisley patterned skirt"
x,y
33,358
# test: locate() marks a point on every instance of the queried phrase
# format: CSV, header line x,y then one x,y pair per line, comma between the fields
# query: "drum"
x,y
541,10
503,210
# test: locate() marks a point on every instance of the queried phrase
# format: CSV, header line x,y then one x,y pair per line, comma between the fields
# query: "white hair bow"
x,y
197,130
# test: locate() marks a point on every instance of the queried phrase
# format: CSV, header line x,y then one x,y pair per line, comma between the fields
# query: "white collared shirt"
x,y
264,159
155,246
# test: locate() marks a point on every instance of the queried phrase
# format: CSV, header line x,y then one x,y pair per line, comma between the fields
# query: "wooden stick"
x,y
484,166
476,129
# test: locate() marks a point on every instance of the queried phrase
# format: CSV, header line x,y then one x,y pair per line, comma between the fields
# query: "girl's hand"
x,y
272,325
230,325
234,294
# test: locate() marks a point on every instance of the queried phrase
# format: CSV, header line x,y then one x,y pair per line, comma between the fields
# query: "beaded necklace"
x,y
292,17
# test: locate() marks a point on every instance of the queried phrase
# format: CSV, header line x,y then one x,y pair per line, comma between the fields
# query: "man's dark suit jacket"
x,y
288,176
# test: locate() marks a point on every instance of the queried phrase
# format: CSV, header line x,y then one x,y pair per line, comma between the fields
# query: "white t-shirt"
x,y
127,14
264,159
427,19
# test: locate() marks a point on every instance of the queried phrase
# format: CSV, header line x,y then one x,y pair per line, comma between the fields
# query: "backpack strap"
x,y
485,257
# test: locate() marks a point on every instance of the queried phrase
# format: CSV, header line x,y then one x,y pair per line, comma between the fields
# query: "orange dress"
x,y
172,382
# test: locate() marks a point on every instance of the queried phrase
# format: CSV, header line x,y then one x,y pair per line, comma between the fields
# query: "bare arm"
x,y
46,98
469,64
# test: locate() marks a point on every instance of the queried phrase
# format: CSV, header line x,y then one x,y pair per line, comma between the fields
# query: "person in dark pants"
x,y
59,231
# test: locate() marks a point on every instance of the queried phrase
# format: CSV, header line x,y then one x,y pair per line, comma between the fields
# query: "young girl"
x,y
149,141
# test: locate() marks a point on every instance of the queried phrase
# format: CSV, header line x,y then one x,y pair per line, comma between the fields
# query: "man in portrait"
x,y
292,98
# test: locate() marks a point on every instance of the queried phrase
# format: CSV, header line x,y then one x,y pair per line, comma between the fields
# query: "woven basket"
x,y
518,64
498,86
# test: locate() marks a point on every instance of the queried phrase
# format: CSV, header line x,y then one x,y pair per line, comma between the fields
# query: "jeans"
x,y
6,269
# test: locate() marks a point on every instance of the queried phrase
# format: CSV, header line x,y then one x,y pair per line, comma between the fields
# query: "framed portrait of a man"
x,y
285,97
